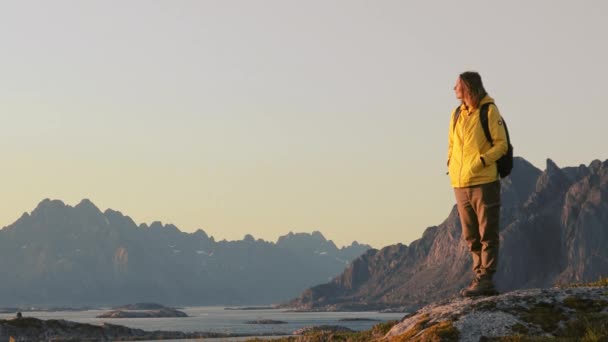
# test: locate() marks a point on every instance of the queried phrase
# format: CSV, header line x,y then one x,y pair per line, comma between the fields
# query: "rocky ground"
x,y
537,313
575,313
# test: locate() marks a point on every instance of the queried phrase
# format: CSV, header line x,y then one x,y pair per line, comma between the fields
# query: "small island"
x,y
252,308
143,310
140,306
44,309
322,329
9,310
265,321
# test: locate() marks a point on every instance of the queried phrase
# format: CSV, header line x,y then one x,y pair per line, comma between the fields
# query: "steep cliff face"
x,y
585,225
531,248
554,229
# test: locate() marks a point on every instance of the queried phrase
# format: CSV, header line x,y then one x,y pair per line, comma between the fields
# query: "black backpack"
x,y
505,163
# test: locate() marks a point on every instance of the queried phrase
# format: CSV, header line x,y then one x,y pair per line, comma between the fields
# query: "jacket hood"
x,y
486,99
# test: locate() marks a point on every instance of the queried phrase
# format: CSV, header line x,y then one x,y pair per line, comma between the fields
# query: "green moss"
x,y
519,328
375,333
414,330
522,338
25,322
489,305
603,281
586,327
547,316
443,331
584,304
383,328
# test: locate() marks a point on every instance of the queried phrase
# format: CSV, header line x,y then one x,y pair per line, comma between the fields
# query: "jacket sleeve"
x,y
450,136
499,136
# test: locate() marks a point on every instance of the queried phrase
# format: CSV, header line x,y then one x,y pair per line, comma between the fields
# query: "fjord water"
x,y
217,319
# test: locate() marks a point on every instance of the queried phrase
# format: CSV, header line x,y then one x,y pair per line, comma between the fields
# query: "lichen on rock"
x,y
535,313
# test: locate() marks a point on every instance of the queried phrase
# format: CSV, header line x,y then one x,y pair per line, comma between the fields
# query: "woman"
x,y
474,176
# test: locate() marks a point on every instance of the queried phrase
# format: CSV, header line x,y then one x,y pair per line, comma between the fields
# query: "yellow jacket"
x,y
471,158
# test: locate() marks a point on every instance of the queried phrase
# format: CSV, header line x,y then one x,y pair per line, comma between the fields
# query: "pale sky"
x,y
265,117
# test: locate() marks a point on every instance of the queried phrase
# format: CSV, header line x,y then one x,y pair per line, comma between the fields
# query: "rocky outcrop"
x,y
554,229
553,312
33,329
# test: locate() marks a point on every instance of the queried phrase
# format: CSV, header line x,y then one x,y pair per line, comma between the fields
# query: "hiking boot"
x,y
479,287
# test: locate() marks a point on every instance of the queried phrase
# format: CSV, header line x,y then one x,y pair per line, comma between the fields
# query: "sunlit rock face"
x,y
554,229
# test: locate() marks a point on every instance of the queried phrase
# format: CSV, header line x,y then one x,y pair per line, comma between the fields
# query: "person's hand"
x,y
478,165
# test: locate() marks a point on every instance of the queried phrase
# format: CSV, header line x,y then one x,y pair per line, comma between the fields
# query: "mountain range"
x,y
59,255
553,230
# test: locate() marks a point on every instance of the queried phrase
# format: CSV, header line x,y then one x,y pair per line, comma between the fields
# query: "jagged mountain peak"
x,y
156,225
521,163
86,203
116,217
553,230
355,243
119,262
522,170
550,186
552,166
112,212
318,235
552,176
56,215
55,206
595,165
201,234
49,204
160,227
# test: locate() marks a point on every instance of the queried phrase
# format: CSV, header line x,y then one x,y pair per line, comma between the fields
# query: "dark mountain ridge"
x,y
554,229
64,255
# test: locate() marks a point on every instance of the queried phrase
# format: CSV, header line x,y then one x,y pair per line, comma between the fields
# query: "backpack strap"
x,y
483,113
483,117
456,115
